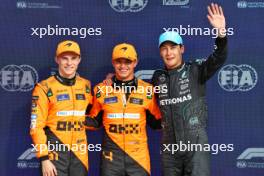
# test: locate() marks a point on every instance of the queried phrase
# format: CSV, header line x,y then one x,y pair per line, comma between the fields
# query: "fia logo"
x,y
27,159
242,4
237,78
128,5
18,78
175,2
21,5
251,158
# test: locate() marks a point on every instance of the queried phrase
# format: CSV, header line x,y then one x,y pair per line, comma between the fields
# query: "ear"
x,y
135,63
56,59
80,59
182,49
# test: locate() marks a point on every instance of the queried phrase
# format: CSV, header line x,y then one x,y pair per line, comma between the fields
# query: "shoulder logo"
x,y
49,93
87,88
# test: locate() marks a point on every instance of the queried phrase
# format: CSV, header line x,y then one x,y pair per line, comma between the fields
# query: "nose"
x,y
169,52
69,61
122,64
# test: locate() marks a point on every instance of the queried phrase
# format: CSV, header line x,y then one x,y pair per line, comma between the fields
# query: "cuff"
x,y
43,158
221,41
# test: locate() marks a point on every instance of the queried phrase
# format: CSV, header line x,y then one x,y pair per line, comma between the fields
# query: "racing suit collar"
x,y
65,81
132,82
126,84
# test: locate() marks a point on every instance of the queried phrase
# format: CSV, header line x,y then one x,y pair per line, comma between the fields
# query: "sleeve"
x,y
89,92
94,118
153,114
155,76
215,61
39,114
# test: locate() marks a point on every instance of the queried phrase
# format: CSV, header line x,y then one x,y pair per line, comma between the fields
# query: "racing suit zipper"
x,y
73,113
181,118
124,100
171,110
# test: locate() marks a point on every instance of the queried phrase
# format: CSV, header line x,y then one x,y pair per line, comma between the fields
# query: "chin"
x,y
171,64
67,74
122,76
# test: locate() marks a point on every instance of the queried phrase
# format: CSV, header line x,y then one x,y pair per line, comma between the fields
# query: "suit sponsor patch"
x,y
138,101
49,93
71,113
33,116
123,115
34,104
35,97
33,123
63,97
80,97
110,100
87,88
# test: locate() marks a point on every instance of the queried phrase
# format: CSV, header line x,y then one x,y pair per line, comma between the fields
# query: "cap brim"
x,y
169,41
68,51
131,59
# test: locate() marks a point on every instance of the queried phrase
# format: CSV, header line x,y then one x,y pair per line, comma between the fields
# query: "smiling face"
x,y
68,64
124,68
171,54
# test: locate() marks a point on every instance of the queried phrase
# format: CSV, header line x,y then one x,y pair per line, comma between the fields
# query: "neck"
x,y
67,76
65,81
125,79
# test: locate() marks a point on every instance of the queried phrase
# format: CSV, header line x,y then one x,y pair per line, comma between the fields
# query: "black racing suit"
x,y
184,112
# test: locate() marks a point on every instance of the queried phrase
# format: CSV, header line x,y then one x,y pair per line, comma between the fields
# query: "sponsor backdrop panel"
x,y
30,30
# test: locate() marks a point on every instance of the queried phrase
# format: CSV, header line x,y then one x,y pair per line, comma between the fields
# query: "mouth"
x,y
169,59
123,70
68,68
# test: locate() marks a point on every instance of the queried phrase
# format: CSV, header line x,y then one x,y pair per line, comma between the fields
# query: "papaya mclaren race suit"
x,y
184,112
57,117
124,118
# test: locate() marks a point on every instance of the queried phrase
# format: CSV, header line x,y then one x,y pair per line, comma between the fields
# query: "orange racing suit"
x,y
57,117
125,146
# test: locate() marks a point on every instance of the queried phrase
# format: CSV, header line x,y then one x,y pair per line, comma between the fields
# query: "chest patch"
x,y
110,100
63,97
80,97
138,101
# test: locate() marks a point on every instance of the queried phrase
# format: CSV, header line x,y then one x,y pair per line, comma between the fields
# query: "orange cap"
x,y
68,46
124,50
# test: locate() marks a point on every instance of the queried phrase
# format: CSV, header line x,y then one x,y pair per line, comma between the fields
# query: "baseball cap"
x,y
68,46
124,50
171,36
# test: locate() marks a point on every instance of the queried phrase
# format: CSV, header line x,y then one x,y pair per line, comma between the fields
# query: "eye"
x,y
117,61
162,48
128,62
64,58
173,46
75,58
